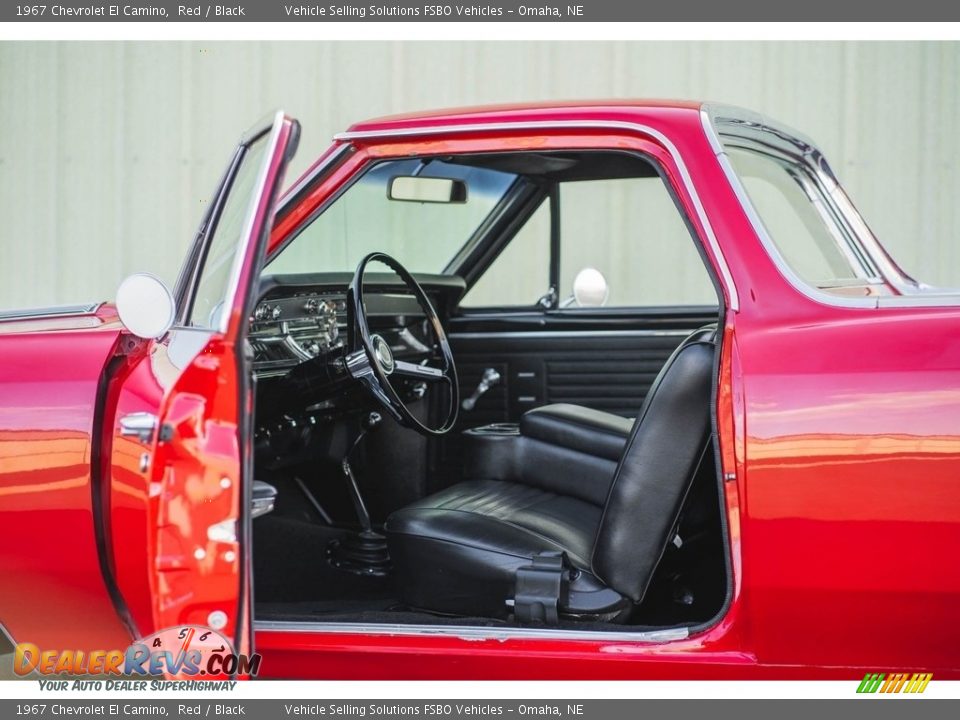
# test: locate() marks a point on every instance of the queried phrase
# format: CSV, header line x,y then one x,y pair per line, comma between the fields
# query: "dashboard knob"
x,y
276,312
311,306
261,312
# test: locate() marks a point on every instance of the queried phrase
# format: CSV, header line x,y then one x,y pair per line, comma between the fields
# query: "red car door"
x,y
177,409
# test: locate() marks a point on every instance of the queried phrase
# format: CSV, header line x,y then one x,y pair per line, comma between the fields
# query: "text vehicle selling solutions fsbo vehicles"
x,y
608,390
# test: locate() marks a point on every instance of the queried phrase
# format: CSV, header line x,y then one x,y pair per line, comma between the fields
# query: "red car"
x,y
607,390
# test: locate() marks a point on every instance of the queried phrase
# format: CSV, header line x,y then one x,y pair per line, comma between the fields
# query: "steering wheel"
x,y
370,359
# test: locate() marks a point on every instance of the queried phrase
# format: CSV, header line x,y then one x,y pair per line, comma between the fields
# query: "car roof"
x,y
522,112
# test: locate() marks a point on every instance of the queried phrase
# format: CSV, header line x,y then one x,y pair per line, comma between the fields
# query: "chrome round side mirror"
x,y
590,288
145,306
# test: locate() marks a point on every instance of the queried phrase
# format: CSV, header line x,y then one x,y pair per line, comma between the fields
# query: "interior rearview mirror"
x,y
590,288
145,306
413,188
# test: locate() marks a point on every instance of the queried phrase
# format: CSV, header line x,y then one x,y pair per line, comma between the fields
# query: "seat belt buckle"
x,y
541,588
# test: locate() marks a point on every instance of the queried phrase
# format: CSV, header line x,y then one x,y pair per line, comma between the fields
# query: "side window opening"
x,y
631,231
522,274
626,228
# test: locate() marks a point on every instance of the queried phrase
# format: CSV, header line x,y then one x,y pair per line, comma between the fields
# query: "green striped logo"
x,y
894,682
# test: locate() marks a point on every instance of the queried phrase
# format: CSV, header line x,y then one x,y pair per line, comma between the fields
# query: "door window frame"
x,y
191,272
318,196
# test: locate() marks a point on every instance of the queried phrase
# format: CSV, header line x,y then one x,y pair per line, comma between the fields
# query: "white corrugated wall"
x,y
109,150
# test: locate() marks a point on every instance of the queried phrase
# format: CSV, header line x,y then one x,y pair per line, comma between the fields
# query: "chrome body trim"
x,y
734,300
47,312
549,334
141,425
739,122
468,632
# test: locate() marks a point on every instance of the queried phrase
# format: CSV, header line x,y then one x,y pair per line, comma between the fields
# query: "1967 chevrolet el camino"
x,y
701,425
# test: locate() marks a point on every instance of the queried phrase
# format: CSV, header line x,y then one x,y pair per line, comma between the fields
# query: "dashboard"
x,y
303,318
299,337
286,330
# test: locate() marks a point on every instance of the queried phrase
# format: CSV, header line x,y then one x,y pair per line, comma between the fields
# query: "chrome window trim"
x,y
468,632
856,256
913,295
727,279
52,311
819,190
233,283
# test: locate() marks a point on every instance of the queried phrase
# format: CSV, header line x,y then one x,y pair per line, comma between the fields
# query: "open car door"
x,y
177,415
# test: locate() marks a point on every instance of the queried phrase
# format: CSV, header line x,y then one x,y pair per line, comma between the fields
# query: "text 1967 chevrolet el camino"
x,y
755,476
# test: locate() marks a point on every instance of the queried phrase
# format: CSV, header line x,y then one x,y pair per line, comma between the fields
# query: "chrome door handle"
x,y
141,425
490,378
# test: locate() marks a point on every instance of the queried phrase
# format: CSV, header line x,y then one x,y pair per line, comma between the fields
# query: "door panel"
x,y
602,361
197,474
178,407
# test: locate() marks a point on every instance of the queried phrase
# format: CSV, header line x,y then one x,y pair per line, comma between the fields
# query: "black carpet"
x,y
290,565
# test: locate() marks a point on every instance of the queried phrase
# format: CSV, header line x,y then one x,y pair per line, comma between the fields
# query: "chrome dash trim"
x,y
733,302
47,312
467,632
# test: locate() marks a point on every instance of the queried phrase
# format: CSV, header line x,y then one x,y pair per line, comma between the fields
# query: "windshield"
x,y
423,236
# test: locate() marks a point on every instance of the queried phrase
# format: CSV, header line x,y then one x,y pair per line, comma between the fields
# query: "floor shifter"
x,y
363,552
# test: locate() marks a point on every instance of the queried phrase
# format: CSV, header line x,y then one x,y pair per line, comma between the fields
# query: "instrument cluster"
x,y
286,331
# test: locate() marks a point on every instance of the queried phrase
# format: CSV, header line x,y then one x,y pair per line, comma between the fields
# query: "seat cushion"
x,y
458,551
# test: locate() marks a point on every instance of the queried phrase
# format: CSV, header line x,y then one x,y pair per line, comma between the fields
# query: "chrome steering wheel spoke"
x,y
416,371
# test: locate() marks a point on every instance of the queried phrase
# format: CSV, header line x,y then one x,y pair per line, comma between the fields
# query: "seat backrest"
x,y
657,467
